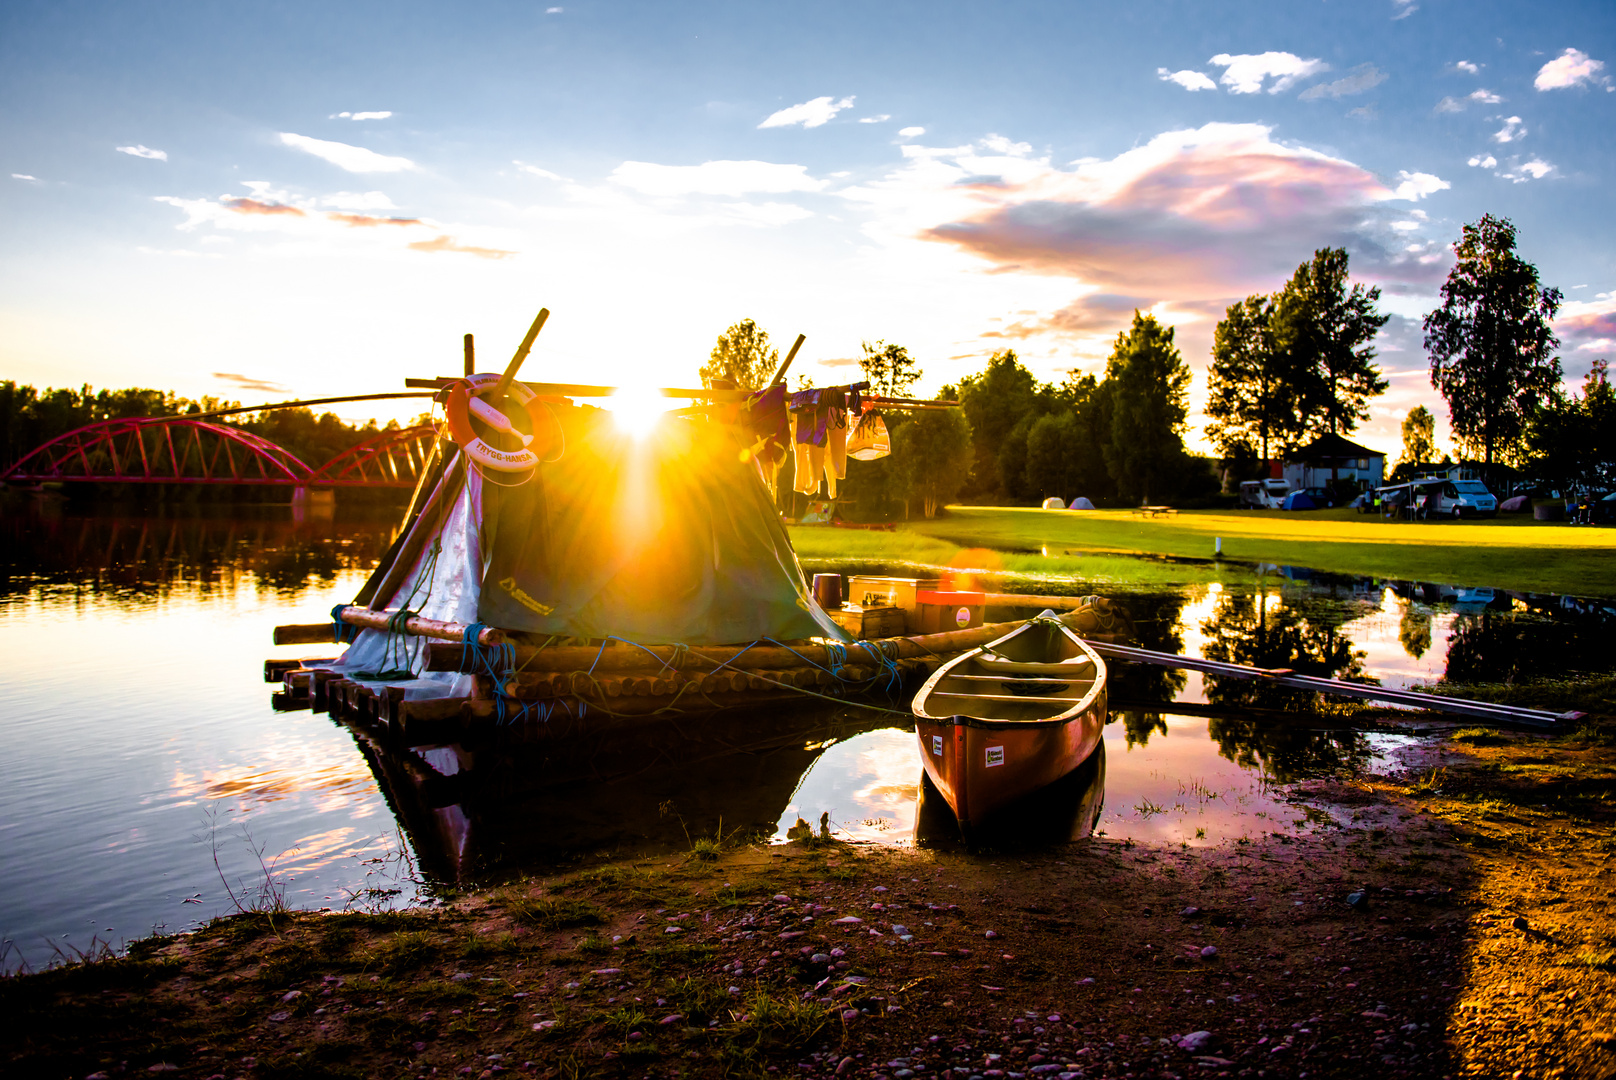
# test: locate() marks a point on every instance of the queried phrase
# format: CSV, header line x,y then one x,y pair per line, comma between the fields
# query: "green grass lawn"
x,y
1505,552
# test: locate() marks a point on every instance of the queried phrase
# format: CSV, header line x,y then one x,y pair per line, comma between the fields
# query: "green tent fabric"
x,y
665,538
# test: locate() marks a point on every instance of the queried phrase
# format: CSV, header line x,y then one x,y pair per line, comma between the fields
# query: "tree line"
x,y
30,417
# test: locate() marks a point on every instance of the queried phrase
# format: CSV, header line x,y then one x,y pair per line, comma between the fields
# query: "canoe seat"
x,y
1009,677
1040,699
1083,668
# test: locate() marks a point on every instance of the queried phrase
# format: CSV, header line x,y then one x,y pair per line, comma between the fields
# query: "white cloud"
x,y
24,176
553,10
359,116
544,174
1450,104
1363,77
1571,68
1405,8
1417,185
1189,80
1246,72
911,132
353,200
343,156
883,118
1536,169
143,152
1002,145
1484,161
1405,226
1513,130
1485,97
810,114
769,214
1467,67
733,178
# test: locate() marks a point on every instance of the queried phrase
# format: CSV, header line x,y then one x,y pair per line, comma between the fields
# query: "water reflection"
x,y
1061,813
134,642
484,811
47,544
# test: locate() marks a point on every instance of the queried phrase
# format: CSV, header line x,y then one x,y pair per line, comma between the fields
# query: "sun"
x,y
637,411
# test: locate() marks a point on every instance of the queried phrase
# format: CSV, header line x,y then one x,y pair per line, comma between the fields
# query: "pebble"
x,y
635,1036
849,920
849,1015
280,1017
991,934
1358,901
545,1025
671,1018
819,958
1085,982
1211,953
1519,922
460,976
1195,1040
782,898
845,1065
1190,912
607,971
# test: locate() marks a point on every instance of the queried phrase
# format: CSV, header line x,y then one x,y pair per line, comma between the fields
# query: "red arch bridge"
x,y
177,450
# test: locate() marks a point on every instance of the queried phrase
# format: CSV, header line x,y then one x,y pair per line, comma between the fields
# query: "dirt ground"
x,y
1463,925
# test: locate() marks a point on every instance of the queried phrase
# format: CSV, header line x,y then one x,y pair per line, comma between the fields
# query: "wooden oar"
x,y
780,376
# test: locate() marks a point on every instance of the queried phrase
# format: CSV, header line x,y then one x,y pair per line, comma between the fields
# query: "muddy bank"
x,y
1462,926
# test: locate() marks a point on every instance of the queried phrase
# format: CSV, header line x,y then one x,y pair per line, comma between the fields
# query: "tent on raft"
x,y
667,537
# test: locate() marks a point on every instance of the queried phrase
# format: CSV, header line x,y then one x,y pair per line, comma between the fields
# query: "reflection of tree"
x,y
1302,634
1158,622
1140,726
1284,751
1415,631
1498,647
202,549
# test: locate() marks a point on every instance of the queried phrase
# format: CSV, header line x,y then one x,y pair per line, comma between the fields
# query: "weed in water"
x,y
1429,784
1145,808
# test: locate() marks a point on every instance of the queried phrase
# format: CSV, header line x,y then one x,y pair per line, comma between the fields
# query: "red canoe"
x,y
1004,720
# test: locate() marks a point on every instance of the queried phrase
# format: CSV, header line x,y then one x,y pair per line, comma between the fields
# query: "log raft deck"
x,y
623,685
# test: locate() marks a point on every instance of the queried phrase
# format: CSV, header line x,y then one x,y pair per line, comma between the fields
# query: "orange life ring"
x,y
459,409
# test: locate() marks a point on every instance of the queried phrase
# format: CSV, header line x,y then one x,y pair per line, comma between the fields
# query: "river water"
x,y
148,784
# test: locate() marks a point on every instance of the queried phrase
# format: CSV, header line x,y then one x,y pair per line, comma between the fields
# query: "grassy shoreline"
x,y
1398,945
1504,553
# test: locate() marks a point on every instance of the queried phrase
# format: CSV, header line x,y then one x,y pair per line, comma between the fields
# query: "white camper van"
x,y
1263,494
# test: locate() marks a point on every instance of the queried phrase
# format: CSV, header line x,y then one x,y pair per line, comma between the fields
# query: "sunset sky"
x,y
299,199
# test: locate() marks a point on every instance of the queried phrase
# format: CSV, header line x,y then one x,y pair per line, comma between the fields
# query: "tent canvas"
x,y
1081,503
1298,500
662,539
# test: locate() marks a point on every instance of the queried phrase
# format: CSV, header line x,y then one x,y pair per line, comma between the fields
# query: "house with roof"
x,y
1333,457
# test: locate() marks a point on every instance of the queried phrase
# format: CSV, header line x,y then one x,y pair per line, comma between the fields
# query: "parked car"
x,y
1263,494
1457,498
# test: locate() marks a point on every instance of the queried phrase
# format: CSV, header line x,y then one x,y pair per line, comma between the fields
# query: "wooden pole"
x,y
471,356
521,355
780,376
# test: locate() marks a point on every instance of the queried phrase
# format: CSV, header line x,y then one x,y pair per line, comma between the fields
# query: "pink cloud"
x,y
1215,212
1588,325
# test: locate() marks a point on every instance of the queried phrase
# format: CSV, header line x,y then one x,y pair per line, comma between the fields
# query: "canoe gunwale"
x,y
993,724
1090,662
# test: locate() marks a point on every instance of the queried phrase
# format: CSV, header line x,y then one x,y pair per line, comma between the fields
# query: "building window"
x,y
1363,463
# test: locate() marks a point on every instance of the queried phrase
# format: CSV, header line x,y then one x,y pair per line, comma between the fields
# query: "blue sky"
x,y
301,199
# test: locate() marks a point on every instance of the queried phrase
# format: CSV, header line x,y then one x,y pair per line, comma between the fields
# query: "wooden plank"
x,y
1475,710
1030,699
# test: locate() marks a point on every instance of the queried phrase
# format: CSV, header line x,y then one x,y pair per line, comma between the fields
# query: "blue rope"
x,y
343,631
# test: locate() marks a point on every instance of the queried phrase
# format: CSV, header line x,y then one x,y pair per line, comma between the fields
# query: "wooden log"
x,y
320,690
648,660
284,702
301,634
275,669
370,619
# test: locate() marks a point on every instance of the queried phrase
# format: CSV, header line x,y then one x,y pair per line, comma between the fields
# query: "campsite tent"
x,y
1081,503
1298,500
668,538
1054,502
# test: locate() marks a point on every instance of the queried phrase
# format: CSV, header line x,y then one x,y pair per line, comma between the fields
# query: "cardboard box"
x,y
939,612
879,621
